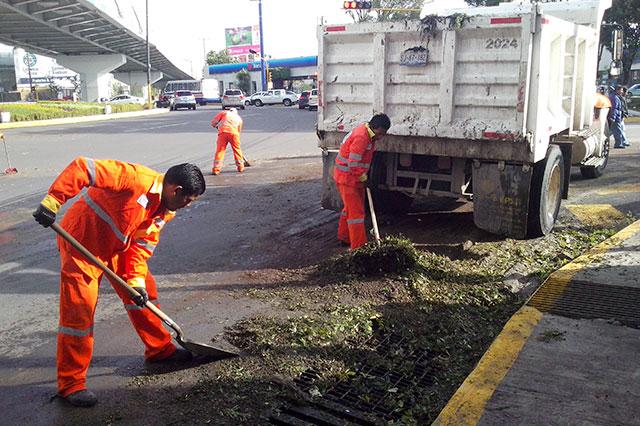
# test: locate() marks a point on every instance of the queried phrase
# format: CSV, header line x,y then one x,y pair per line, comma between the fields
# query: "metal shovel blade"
x,y
205,350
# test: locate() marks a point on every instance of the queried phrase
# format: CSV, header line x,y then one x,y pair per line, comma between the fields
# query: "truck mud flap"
x,y
330,196
501,198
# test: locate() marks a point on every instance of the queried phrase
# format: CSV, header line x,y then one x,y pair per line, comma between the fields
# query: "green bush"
x,y
52,109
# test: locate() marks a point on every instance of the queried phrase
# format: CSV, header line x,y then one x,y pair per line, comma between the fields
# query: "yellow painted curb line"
x,y
83,119
467,405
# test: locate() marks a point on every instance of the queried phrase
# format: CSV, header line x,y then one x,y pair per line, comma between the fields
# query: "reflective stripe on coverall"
x,y
229,128
119,221
353,160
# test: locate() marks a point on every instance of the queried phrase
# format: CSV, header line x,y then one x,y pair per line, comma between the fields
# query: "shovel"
x,y
9,170
376,234
193,347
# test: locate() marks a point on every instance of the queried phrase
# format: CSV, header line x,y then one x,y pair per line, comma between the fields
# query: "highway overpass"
x,y
85,39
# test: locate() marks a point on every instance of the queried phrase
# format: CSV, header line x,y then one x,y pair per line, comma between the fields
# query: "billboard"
x,y
239,40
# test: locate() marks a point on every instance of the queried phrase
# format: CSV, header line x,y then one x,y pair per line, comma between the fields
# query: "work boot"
x,y
82,398
180,355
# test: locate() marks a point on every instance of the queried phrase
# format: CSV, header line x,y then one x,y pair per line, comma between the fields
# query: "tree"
x,y
626,14
388,10
244,81
220,57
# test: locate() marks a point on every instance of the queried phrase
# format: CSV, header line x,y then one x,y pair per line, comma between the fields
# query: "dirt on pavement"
x,y
309,327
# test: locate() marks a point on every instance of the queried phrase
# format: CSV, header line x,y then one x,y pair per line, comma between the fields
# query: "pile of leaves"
x,y
394,255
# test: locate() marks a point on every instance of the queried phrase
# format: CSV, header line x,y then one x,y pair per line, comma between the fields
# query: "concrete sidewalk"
x,y
571,355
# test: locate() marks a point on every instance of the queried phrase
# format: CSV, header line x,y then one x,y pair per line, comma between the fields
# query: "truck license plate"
x,y
414,58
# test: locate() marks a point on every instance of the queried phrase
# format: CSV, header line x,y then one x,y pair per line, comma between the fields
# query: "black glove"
x,y
44,216
142,298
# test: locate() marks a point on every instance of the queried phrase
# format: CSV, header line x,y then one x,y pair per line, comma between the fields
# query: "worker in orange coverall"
x,y
118,219
229,124
350,173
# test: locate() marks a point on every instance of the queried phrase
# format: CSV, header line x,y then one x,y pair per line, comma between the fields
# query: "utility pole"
x,y
148,56
263,69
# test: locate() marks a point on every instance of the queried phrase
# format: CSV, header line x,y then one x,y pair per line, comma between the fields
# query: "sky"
x,y
289,26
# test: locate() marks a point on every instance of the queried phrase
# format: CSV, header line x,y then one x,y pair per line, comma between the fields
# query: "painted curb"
x,y
84,119
466,406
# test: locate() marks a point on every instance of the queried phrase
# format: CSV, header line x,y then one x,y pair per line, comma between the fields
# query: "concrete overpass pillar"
x,y
138,78
94,73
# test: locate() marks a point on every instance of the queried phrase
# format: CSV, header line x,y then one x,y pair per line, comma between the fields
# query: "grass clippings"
x,y
399,327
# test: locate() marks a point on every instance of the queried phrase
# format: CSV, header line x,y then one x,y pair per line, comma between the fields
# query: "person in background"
x,y
616,118
229,125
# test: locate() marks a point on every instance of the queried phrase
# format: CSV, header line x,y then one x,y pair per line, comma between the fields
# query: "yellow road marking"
x,y
595,214
632,187
467,405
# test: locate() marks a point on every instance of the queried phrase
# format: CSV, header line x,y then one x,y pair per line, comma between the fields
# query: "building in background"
x,y
301,70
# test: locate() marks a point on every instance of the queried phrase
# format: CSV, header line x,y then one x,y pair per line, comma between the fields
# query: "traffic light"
x,y
356,4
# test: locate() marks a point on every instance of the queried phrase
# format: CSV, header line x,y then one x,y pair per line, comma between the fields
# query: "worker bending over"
x,y
229,124
350,173
119,220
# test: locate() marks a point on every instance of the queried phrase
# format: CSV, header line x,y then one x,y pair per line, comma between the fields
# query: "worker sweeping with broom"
x,y
119,220
351,172
229,125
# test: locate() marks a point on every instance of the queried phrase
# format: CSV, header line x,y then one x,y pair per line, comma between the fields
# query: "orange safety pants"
x,y
79,280
223,140
351,228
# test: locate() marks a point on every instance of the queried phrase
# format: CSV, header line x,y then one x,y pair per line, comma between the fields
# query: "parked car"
x,y
183,99
313,100
233,98
303,100
274,97
164,100
634,91
127,99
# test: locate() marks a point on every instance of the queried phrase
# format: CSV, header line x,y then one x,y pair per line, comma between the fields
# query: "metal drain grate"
x,y
582,299
363,399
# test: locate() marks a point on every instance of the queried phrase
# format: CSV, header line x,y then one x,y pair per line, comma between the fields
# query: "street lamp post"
x,y
148,56
262,60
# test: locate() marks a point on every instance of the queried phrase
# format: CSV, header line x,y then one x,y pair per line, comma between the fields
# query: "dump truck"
x,y
491,104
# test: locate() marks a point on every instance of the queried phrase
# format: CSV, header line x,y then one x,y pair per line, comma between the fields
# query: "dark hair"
x,y
380,121
188,176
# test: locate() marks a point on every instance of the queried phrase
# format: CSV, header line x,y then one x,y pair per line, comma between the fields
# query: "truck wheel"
x,y
287,102
546,193
592,172
258,103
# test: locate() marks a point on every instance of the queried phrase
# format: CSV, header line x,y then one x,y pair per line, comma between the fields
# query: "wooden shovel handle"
x,y
132,292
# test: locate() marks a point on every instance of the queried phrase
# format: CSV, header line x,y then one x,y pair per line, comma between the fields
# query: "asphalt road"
x,y
214,240
39,153
268,217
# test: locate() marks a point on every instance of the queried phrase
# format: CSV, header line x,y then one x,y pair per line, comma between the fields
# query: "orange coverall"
x,y
118,220
229,127
353,161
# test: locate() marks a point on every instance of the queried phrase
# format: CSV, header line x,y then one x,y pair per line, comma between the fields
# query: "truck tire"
x,y
385,201
546,193
258,103
592,172
287,102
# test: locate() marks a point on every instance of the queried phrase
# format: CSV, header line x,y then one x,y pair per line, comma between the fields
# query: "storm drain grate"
x,y
582,299
364,399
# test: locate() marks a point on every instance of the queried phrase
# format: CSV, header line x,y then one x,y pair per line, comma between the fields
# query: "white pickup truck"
x,y
494,104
